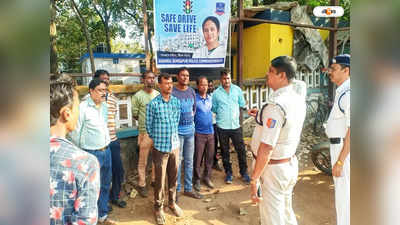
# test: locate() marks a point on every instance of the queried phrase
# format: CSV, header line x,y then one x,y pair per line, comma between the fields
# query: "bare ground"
x,y
313,202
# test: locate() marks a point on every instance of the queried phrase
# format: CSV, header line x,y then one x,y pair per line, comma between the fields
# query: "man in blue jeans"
x,y
92,135
187,96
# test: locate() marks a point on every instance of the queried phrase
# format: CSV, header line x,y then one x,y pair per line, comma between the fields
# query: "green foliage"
x,y
71,43
120,46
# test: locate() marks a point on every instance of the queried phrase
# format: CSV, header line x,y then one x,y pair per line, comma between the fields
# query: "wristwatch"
x,y
340,163
253,181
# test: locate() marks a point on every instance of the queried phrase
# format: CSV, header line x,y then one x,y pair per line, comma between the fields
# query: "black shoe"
x,y
193,194
208,183
217,167
142,191
110,208
197,185
120,203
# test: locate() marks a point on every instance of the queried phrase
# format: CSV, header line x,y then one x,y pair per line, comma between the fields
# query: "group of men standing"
x,y
180,123
177,127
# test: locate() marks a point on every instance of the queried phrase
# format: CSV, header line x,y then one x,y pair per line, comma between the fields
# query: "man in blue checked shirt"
x,y
227,100
162,119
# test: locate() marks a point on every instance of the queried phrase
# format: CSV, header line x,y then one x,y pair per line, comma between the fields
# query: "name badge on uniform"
x,y
174,141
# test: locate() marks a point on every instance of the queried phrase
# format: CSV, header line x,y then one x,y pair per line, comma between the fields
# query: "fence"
x,y
255,93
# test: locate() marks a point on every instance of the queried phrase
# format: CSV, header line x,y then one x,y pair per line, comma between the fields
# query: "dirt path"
x,y
313,202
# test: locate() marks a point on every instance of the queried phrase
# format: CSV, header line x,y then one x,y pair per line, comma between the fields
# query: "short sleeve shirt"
x,y
339,117
227,106
280,131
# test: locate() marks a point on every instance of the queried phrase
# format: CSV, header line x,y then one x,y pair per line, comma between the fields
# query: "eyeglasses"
x,y
101,90
330,69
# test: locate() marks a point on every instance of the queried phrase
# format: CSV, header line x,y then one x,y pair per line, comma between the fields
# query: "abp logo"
x,y
328,11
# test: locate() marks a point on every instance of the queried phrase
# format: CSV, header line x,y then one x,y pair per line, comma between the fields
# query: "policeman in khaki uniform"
x,y
275,139
338,132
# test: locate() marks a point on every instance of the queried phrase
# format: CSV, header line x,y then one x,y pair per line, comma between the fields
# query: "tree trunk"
x,y
151,51
53,36
87,36
255,2
108,38
146,35
89,48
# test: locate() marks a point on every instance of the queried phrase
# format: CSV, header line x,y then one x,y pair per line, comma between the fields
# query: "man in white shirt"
x,y
338,132
274,143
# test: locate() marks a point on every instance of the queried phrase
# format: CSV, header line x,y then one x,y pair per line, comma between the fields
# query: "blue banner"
x,y
191,33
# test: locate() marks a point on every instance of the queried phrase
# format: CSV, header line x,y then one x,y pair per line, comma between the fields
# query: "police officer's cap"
x,y
343,59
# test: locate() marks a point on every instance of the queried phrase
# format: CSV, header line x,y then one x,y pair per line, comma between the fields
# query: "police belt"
x,y
274,161
335,140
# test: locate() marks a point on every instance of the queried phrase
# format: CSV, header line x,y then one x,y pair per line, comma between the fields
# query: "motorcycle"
x,y
321,157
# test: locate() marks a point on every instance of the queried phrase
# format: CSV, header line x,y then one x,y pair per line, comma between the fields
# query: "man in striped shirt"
x,y
117,168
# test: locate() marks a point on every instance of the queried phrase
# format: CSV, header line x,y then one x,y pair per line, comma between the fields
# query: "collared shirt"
x,y
91,132
112,104
74,184
338,121
162,119
188,109
139,103
203,119
226,106
284,140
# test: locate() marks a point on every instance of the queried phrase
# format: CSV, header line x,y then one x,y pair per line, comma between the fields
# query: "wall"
x,y
261,43
123,66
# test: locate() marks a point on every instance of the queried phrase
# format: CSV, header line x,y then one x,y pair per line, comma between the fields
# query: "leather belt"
x,y
274,161
335,140
102,149
279,161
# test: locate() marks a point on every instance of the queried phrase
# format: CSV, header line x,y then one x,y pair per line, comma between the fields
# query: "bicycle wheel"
x,y
322,160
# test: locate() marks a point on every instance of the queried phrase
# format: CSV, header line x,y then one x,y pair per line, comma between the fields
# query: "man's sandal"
x,y
160,217
175,209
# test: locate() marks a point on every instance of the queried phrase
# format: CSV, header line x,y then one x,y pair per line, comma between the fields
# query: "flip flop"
x,y
160,217
176,210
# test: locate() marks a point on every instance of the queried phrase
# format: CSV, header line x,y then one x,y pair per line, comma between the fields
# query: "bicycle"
x,y
321,114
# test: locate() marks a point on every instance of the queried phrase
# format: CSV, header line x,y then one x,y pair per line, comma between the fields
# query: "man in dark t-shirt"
x,y
187,96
